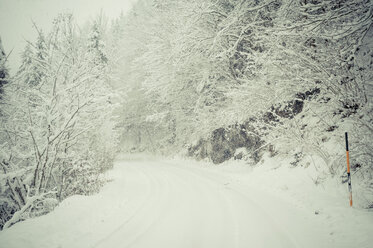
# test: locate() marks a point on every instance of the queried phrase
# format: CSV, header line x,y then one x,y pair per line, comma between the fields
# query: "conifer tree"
x,y
4,74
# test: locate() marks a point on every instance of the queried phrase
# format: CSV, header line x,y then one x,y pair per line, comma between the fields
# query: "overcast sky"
x,y
16,16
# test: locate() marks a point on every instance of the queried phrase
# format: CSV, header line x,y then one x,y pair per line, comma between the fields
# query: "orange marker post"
x,y
348,169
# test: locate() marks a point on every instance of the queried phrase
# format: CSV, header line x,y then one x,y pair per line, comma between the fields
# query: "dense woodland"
x,y
211,79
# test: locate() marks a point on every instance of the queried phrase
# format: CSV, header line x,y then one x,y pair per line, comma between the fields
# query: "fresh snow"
x,y
179,203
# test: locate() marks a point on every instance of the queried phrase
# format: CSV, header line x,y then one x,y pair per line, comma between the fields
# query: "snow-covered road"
x,y
165,204
174,206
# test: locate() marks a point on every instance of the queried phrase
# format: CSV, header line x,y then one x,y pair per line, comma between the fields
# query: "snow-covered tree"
x,y
4,74
290,68
58,123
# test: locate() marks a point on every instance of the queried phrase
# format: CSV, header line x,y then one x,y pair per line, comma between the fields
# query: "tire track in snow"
x,y
157,203
244,199
142,206
195,207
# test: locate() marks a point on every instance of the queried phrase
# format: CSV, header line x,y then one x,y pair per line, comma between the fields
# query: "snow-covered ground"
x,y
178,203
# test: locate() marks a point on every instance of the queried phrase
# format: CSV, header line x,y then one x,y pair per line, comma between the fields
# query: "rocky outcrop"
x,y
222,144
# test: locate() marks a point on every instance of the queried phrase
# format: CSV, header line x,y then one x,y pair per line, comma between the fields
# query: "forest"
x,y
213,80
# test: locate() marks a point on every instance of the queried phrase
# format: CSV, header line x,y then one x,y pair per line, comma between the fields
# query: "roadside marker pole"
x,y
348,169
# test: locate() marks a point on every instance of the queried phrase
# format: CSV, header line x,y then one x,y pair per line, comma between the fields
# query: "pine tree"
x,y
96,43
4,74
34,61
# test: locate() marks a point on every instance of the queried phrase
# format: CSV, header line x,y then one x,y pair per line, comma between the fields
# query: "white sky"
x,y
16,16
